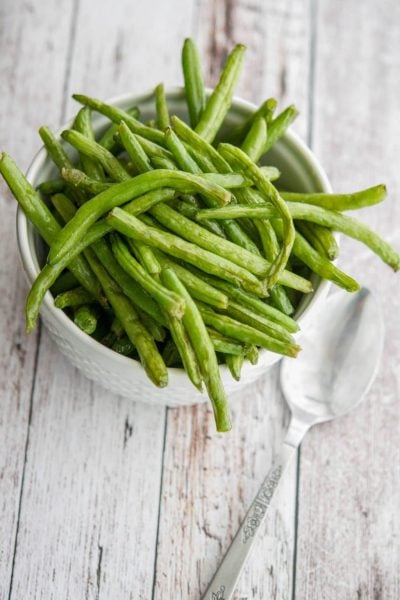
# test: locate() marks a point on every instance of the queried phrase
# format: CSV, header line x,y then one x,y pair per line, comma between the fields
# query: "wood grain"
x,y
350,473
209,480
89,511
81,471
27,40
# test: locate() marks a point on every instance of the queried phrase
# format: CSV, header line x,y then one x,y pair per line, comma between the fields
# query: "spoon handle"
x,y
224,581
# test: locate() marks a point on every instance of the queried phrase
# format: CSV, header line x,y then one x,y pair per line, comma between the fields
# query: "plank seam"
x,y
296,522
160,503
68,63
21,491
313,7
71,44
311,75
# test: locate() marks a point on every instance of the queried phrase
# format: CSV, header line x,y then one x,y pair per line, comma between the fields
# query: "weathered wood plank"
x,y
350,476
209,480
89,508
90,504
277,36
33,46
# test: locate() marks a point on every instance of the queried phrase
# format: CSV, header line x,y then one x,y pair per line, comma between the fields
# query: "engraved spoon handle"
x,y
224,581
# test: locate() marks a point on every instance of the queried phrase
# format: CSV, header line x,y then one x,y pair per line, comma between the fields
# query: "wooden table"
x,y
102,497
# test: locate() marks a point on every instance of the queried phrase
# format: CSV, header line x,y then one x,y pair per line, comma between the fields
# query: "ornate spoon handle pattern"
x,y
224,581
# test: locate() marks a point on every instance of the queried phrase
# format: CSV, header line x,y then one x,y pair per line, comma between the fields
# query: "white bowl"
x,y
300,171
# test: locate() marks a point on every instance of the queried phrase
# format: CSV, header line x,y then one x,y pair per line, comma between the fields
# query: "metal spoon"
x,y
333,372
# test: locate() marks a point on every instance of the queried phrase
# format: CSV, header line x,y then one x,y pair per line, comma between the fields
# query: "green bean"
x,y
339,202
47,226
183,344
146,257
161,107
186,162
321,238
55,149
105,256
180,153
74,297
267,188
117,115
50,273
161,162
209,241
252,146
123,346
171,355
255,304
65,282
189,136
139,298
317,263
204,351
170,302
194,83
83,124
201,159
86,318
280,300
108,140
175,246
150,358
266,111
245,333
79,179
277,128
256,139
134,149
156,331
152,149
261,323
321,216
236,180
122,193
219,102
190,211
59,156
197,287
93,150
270,246
235,364
224,344
251,353
64,206
52,186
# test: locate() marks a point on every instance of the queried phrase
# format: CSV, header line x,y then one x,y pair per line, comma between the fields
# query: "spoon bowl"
x,y
338,361
333,372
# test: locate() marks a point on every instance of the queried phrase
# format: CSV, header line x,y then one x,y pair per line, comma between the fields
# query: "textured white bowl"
x,y
300,171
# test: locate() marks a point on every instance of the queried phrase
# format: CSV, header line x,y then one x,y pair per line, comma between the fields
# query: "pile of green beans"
x,y
175,249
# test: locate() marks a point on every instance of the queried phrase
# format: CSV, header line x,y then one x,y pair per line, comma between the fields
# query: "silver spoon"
x,y
333,372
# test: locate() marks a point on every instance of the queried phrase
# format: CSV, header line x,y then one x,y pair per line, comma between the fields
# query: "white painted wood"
x,y
89,508
209,480
128,46
33,50
89,512
350,475
277,36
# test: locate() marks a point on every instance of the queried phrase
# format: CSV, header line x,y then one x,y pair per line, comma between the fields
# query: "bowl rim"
x,y
23,225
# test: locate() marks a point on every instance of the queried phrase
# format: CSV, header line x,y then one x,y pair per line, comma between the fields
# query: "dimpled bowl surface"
x,y
300,171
